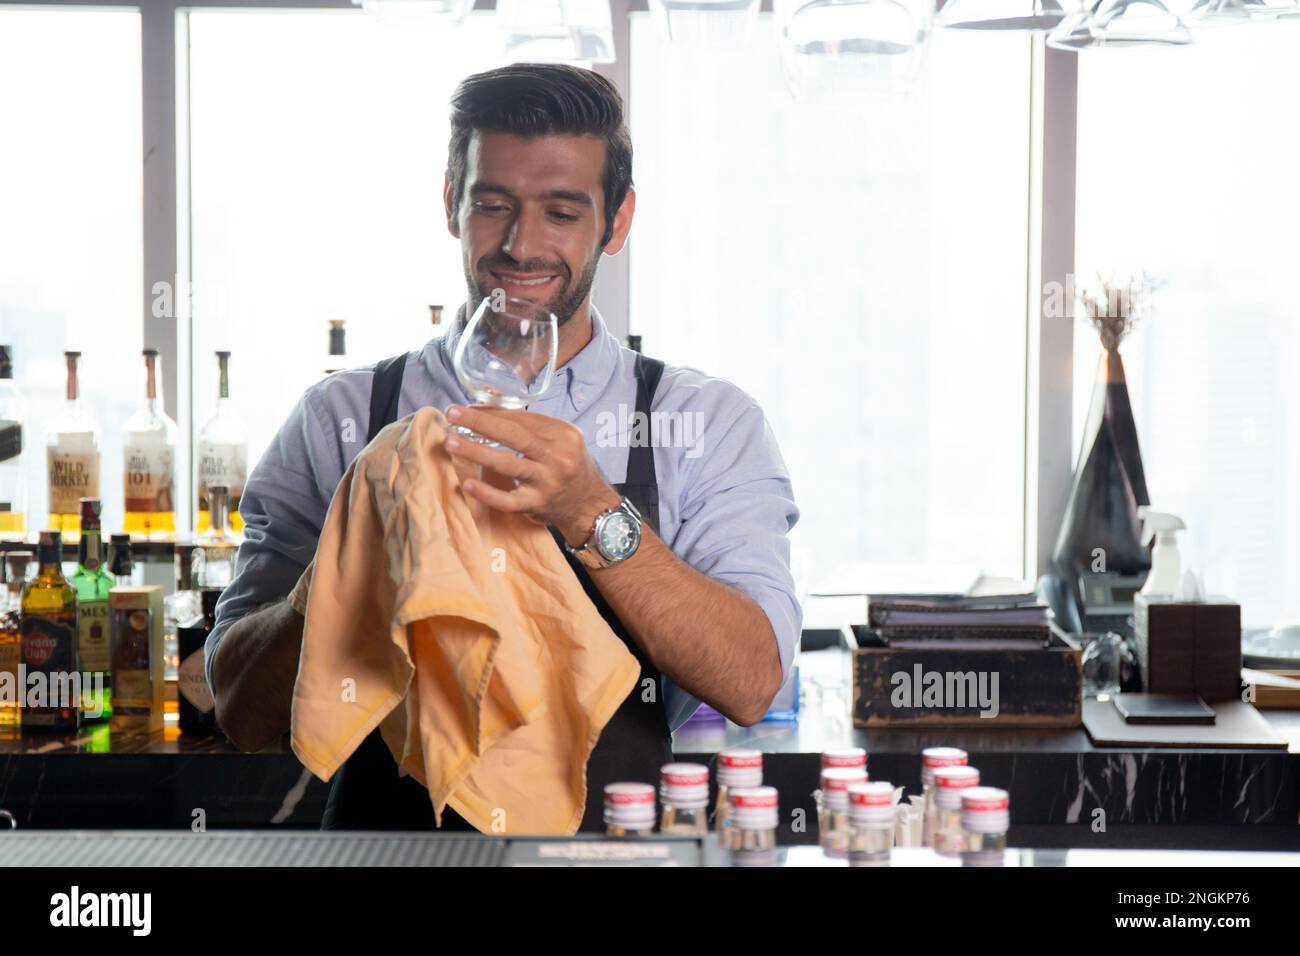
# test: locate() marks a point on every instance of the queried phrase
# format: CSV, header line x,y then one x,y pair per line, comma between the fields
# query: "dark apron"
x,y
368,794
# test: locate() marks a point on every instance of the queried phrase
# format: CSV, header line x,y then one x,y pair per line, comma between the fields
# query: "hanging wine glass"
x,y
506,355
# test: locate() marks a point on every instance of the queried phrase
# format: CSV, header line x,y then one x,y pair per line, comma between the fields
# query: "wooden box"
x,y
969,686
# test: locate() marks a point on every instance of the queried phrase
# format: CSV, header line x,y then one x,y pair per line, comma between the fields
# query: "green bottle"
x,y
93,582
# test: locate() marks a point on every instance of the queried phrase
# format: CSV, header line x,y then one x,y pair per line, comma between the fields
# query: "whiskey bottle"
x,y
11,642
13,414
149,453
72,458
223,452
93,582
49,633
218,545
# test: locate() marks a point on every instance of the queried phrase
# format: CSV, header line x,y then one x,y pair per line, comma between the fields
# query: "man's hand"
x,y
558,483
709,639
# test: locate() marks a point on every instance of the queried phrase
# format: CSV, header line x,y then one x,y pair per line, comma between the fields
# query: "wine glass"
x,y
506,355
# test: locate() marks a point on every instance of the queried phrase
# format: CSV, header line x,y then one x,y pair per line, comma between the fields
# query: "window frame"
x,y
1048,459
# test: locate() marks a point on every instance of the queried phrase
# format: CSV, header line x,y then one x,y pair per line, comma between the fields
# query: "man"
x,y
681,546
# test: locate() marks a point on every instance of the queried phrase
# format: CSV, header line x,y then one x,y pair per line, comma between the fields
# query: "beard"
x,y
563,304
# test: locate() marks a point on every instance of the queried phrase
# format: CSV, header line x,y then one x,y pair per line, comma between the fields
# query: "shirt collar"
x,y
593,366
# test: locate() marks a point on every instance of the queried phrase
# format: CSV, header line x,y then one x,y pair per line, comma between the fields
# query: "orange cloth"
x,y
462,632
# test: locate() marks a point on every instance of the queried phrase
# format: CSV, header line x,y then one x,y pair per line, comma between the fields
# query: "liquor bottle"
x,y
93,582
11,642
13,489
148,453
337,359
181,608
72,458
198,716
223,451
120,562
218,545
49,629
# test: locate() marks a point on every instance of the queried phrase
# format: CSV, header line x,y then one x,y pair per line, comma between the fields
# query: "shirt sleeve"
x,y
737,509
283,506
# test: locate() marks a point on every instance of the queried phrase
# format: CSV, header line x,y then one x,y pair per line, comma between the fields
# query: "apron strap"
x,y
385,390
641,455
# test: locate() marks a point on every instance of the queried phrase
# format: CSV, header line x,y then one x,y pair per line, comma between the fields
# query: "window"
x,y
70,225
1186,170
318,144
860,270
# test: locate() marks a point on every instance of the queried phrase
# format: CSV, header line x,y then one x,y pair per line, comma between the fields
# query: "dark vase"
x,y
1100,530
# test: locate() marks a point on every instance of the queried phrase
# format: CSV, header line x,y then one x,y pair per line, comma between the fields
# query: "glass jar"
x,y
871,821
737,767
752,819
684,793
949,784
629,809
833,807
985,819
933,759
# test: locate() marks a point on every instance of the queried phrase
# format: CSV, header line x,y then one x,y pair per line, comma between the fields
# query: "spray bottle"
x,y
1166,564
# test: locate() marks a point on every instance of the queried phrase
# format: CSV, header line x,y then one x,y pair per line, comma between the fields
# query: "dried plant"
x,y
1115,305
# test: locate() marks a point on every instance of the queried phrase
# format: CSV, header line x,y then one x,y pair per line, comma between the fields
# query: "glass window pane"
x,y
860,269
318,144
70,224
1186,170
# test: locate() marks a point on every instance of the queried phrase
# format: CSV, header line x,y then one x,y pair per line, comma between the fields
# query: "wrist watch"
x,y
616,538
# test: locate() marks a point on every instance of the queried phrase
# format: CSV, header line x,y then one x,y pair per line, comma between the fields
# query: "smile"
x,y
523,281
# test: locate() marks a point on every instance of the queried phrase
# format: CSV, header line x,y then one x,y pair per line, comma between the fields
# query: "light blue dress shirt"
x,y
725,500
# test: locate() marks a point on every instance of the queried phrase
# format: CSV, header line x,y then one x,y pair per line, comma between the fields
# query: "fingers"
x,y
496,459
511,427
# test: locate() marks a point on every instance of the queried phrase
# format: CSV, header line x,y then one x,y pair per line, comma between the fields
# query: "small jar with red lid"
x,y
629,809
985,819
684,793
950,782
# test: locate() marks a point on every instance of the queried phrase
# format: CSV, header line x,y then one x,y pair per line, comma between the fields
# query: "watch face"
x,y
619,536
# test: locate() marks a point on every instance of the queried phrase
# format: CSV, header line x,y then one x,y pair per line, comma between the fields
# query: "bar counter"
x,y
1058,779
248,848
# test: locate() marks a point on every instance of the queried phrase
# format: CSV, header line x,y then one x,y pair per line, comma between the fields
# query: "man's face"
x,y
531,218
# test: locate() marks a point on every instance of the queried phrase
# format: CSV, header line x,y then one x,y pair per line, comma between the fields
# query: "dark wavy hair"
x,y
535,99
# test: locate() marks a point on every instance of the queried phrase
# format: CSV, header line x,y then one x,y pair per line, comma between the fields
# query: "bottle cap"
x,y
740,767
844,757
985,810
90,511
684,785
932,758
950,782
753,808
630,805
872,804
49,548
836,782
